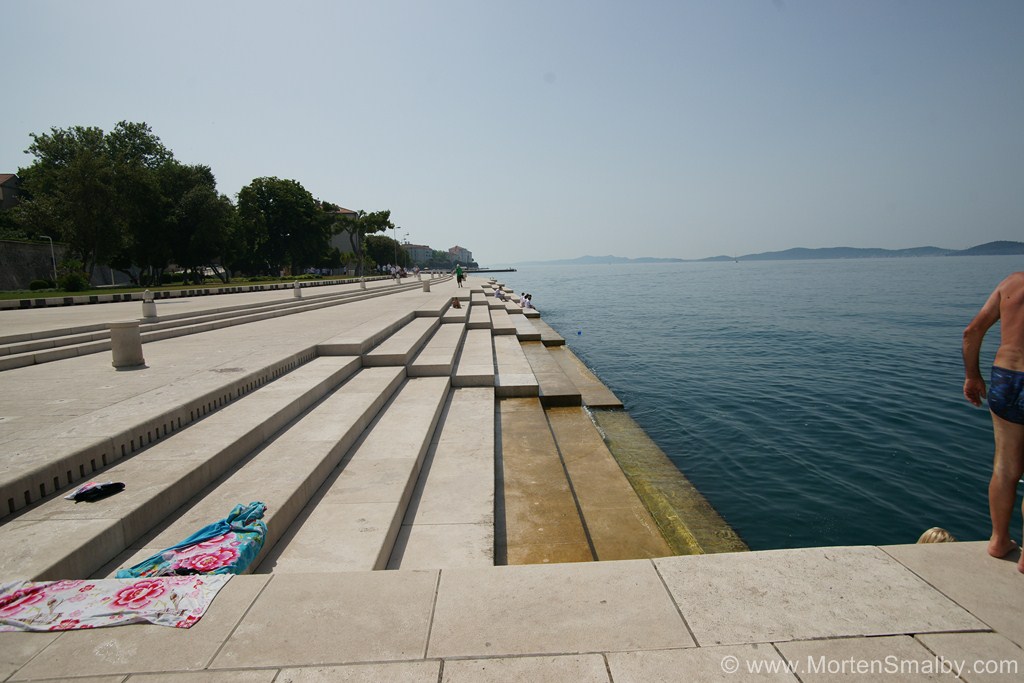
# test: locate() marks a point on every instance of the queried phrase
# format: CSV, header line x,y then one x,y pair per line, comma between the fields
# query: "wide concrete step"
x,y
33,468
595,394
400,347
541,521
53,348
475,366
352,522
450,519
525,329
437,357
62,539
617,522
287,471
555,388
547,333
456,315
359,339
501,322
514,376
479,317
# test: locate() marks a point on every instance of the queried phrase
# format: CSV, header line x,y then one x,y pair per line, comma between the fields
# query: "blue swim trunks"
x,y
1006,394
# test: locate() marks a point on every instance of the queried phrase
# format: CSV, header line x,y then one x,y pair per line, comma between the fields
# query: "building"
x,y
8,190
460,255
343,240
420,254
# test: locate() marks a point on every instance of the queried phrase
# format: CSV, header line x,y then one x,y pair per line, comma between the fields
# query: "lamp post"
x,y
53,259
395,228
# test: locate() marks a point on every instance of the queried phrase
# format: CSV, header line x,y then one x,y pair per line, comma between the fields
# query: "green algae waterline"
x,y
685,518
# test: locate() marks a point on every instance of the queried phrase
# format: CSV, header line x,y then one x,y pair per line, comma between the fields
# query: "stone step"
x,y
286,472
456,315
540,519
618,524
62,539
555,389
479,318
513,307
525,329
437,357
475,366
595,394
359,339
450,519
547,333
501,322
352,522
157,330
514,376
34,468
400,347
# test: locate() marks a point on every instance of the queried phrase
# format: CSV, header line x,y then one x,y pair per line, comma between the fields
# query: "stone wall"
x,y
23,262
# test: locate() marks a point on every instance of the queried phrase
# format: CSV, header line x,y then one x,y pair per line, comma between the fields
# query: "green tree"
x,y
138,156
98,192
279,225
382,249
201,221
71,194
359,227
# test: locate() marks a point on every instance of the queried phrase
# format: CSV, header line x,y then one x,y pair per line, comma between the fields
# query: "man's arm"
x,y
974,385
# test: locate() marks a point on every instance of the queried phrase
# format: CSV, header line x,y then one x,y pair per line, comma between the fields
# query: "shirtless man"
x,y
1005,400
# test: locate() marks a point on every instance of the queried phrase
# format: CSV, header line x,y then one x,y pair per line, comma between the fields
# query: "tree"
x,y
98,192
71,193
358,227
201,221
382,249
279,225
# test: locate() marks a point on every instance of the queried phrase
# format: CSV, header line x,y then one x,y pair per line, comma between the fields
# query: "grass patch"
x,y
59,293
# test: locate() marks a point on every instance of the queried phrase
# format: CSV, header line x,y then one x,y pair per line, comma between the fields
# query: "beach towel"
x,y
224,547
178,601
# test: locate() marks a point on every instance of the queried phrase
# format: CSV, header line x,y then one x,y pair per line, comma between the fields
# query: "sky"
x,y
530,130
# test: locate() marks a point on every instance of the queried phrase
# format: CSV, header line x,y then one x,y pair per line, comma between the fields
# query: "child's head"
x,y
936,535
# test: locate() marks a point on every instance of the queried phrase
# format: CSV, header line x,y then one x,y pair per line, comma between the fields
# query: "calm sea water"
x,y
811,402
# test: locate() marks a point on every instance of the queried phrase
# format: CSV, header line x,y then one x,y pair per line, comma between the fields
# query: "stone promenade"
x,y
441,507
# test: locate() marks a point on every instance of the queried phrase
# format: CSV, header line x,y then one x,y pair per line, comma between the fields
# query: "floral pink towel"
x,y
178,601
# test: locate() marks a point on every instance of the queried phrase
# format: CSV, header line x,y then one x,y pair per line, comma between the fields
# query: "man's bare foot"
x,y
1020,564
1002,548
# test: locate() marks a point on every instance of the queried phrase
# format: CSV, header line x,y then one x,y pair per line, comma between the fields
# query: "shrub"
x,y
36,285
73,282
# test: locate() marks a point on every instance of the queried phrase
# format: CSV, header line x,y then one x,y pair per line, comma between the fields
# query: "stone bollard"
x,y
426,285
148,305
126,344
296,290
362,283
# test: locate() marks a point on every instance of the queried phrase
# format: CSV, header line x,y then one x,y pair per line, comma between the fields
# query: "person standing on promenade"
x,y
1005,401
459,275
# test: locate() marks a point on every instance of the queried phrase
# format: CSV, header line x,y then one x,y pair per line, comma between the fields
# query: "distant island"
x,y
1000,248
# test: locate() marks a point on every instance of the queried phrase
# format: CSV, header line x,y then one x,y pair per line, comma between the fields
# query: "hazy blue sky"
x,y
530,130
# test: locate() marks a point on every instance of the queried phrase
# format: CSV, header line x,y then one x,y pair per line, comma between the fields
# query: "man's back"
x,y
1011,314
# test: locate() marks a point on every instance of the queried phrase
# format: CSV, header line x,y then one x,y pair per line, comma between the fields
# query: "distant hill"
x,y
1000,248
595,260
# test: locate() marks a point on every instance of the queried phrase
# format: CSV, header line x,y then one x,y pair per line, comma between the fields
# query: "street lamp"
x,y
53,259
395,228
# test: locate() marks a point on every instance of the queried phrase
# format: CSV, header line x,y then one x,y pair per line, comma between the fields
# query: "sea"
x,y
814,402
